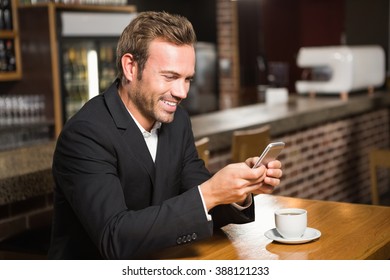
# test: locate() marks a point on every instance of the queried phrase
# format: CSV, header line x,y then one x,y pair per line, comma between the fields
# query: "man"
x,y
127,174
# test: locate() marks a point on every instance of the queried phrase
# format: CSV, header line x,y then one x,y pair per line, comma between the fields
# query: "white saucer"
x,y
309,235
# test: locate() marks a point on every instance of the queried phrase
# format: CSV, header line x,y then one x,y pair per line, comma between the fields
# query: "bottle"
x,y
70,81
3,57
7,15
83,64
103,68
84,75
10,56
67,68
2,25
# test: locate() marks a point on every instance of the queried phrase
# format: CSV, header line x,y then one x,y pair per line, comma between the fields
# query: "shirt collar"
x,y
144,132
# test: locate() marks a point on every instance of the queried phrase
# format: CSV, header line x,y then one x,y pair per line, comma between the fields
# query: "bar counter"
x,y
26,172
298,113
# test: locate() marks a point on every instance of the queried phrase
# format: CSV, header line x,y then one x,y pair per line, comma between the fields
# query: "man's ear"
x,y
129,67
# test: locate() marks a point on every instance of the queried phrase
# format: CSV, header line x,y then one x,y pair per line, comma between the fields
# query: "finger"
x,y
275,173
275,164
256,174
271,181
254,189
264,189
251,161
267,189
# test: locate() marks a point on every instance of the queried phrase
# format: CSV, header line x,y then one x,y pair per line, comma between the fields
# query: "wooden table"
x,y
348,231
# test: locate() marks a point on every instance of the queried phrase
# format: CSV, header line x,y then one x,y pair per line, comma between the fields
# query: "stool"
x,y
249,143
202,146
378,158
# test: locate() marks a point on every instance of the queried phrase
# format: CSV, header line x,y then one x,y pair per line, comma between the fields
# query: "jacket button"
x,y
189,239
194,236
178,240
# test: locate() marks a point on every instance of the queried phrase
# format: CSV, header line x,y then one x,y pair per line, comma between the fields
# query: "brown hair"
x,y
147,26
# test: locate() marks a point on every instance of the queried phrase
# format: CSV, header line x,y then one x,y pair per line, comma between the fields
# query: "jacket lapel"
x,y
136,145
162,161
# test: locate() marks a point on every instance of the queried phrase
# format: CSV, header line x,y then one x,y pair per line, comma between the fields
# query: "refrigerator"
x,y
87,49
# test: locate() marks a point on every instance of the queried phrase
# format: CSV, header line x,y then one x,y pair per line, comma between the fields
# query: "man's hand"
x,y
233,183
272,178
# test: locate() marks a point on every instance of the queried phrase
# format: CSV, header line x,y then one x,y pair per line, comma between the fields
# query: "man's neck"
x,y
135,113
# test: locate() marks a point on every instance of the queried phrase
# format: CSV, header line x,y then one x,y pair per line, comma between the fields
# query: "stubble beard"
x,y
149,108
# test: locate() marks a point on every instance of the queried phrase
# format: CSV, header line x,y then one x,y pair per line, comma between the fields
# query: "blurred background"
x,y
52,60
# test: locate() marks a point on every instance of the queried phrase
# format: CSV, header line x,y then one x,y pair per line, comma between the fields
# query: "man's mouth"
x,y
169,106
170,103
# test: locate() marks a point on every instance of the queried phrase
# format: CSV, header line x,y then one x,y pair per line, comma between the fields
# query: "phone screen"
x,y
270,153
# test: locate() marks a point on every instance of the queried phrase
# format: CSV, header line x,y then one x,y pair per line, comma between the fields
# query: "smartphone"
x,y
270,153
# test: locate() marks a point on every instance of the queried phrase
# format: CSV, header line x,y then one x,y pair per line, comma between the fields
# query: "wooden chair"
x,y
378,158
249,143
202,146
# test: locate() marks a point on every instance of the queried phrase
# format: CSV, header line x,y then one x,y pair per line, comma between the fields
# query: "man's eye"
x,y
169,77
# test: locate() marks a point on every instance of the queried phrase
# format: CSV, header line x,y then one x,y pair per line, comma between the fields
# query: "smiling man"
x,y
128,180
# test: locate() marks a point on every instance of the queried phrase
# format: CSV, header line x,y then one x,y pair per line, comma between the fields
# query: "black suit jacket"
x,y
112,201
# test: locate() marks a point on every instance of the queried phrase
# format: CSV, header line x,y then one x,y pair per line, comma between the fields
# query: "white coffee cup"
x,y
291,222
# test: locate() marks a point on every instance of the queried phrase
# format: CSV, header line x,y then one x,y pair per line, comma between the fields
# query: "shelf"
x,y
10,76
82,7
14,36
29,125
7,34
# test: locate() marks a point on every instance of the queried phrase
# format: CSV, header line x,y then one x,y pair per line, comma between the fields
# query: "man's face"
x,y
165,82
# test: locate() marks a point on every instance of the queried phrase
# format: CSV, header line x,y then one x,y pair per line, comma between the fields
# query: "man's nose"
x,y
180,89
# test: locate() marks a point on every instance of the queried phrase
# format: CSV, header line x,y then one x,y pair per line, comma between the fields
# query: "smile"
x,y
170,103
